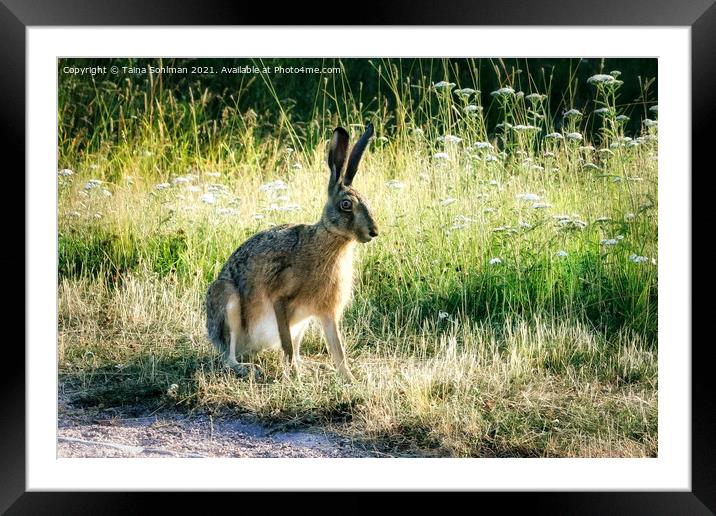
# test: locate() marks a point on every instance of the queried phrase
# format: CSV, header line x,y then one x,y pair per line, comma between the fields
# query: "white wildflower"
x,y
464,92
75,214
638,259
297,166
442,85
654,109
650,123
217,188
602,111
472,108
449,138
535,97
395,184
273,186
212,174
92,183
629,216
561,254
572,113
609,241
622,118
484,145
225,211
106,192
495,261
447,201
574,136
181,180
528,197
443,315
541,205
522,127
491,158
162,186
601,78
65,172
503,92
554,136
441,155
208,198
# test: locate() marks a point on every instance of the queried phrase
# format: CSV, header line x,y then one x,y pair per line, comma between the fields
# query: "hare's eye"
x,y
346,205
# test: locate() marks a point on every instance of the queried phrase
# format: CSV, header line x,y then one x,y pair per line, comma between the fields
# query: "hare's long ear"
x,y
356,154
337,152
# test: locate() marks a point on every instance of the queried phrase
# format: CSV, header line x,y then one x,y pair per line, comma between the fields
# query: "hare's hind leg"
x,y
224,324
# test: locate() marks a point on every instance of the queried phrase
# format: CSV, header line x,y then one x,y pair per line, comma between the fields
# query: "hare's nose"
x,y
373,232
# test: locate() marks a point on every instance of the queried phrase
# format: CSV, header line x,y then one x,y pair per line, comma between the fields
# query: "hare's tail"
x,y
221,293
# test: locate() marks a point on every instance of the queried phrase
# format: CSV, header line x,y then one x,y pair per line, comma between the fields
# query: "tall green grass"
x,y
530,255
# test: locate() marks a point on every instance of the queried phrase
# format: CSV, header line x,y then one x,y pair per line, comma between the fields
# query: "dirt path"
x,y
111,433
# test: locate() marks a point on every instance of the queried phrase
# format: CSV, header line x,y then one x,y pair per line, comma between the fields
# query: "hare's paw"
x,y
246,370
346,375
314,365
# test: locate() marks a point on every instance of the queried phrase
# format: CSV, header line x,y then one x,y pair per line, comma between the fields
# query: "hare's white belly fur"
x,y
263,333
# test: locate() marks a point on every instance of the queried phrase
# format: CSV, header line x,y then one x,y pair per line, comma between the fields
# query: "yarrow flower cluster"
x,y
528,197
443,85
601,78
503,92
449,138
273,186
638,259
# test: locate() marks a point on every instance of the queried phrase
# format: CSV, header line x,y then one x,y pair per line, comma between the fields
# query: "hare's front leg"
x,y
284,332
335,346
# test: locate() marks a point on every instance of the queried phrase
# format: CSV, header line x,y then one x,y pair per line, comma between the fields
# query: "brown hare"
x,y
280,278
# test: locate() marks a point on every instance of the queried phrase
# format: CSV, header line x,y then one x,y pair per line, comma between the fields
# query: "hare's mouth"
x,y
364,238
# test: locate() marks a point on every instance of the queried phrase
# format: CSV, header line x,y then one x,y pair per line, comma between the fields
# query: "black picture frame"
x,y
17,15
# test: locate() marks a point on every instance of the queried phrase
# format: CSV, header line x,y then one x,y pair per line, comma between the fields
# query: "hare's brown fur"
x,y
279,278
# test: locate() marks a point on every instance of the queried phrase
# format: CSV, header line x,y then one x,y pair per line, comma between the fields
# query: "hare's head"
x,y
346,211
